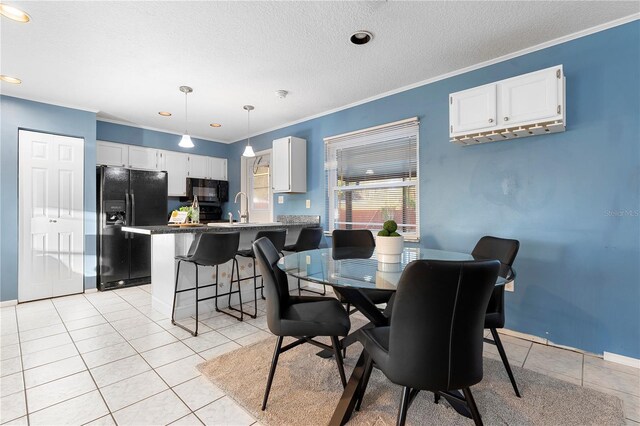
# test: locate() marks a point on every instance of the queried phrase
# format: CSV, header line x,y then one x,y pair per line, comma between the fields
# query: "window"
x,y
372,176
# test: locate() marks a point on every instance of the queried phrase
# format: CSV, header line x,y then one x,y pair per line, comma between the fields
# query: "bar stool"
x,y
308,239
210,249
277,238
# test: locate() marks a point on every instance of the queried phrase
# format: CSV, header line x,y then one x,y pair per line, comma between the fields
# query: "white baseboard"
x,y
8,303
621,359
90,290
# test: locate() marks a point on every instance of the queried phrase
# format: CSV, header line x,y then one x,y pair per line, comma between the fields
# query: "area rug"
x,y
306,389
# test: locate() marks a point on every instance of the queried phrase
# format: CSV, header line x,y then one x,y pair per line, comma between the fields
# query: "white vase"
x,y
389,249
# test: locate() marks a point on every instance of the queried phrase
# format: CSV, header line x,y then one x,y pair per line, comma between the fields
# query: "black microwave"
x,y
208,190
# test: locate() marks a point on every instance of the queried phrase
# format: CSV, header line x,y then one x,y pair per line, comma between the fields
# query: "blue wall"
x,y
572,199
21,114
153,139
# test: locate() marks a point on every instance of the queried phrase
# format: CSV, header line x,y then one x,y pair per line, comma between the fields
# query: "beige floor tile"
x,y
162,408
10,366
9,339
224,411
113,372
9,351
42,320
253,338
237,331
152,341
205,341
75,411
612,379
198,392
39,333
108,354
119,305
133,389
180,371
85,322
598,362
555,360
51,355
166,354
102,421
45,343
130,312
516,354
141,331
190,420
51,393
220,321
219,350
73,315
12,406
99,342
22,421
89,332
53,371
11,384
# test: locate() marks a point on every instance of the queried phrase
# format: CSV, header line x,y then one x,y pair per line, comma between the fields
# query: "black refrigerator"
x,y
127,198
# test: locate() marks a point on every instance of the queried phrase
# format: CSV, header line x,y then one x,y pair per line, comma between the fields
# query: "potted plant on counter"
x,y
389,244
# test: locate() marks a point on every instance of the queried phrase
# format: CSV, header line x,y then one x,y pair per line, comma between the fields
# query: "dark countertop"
x,y
214,227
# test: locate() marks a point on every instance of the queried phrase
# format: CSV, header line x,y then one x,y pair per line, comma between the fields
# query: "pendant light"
x,y
185,142
248,151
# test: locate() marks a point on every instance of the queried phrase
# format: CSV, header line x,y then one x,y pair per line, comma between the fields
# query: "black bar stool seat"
x,y
308,239
210,249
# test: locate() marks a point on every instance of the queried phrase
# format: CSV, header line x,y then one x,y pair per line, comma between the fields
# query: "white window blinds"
x,y
372,176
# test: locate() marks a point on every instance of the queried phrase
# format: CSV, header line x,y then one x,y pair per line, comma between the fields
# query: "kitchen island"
x,y
170,241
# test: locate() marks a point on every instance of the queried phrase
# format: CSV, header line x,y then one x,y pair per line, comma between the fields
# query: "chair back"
x,y
437,323
505,250
214,248
276,285
352,243
278,237
309,238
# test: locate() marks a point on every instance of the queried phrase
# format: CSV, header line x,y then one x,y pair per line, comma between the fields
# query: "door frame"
x,y
21,231
243,180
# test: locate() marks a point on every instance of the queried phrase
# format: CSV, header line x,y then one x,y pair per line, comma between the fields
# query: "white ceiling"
x,y
125,60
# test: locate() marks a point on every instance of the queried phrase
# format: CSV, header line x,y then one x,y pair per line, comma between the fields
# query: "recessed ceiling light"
x,y
9,79
215,125
13,13
361,37
165,113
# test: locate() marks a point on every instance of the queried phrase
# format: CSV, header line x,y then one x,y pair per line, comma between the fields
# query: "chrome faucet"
x,y
244,218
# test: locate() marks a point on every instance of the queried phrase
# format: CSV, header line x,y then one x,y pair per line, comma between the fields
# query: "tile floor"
x,y
109,358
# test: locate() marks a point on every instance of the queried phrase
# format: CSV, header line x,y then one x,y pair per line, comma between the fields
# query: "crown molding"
x,y
156,129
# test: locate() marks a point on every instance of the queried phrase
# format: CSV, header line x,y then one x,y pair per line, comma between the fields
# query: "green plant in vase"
x,y
389,229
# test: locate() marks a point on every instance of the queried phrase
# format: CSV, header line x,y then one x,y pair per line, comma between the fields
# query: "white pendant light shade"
x,y
186,142
248,152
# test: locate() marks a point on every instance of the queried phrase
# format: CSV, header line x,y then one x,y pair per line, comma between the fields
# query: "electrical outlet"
x,y
510,286
280,199
308,204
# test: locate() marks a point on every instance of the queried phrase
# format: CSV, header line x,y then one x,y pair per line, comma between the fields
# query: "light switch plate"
x,y
280,199
308,204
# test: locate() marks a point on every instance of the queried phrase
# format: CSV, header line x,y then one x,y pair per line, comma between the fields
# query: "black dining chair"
x,y
504,250
357,243
302,317
278,238
210,249
434,341
308,239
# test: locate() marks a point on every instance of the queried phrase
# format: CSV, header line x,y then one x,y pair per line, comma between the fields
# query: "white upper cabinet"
x,y
122,155
526,105
473,109
531,97
176,164
218,168
143,158
199,167
289,165
112,154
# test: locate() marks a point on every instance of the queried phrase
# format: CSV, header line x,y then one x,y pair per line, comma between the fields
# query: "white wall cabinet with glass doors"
x,y
526,105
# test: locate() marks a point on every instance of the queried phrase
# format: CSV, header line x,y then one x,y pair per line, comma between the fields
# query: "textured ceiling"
x,y
125,60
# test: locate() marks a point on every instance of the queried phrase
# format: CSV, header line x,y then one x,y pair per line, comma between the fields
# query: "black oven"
x,y
208,190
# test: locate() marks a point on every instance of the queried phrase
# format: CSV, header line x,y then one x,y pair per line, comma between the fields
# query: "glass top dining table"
x,y
359,268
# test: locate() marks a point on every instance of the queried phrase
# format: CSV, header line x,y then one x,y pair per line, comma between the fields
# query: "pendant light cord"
x,y
248,127
186,132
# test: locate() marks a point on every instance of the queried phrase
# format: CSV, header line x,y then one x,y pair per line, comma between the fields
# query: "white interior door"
x,y
257,185
51,215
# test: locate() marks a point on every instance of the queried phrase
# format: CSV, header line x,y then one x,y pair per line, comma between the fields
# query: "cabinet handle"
x,y
53,221
506,119
491,120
